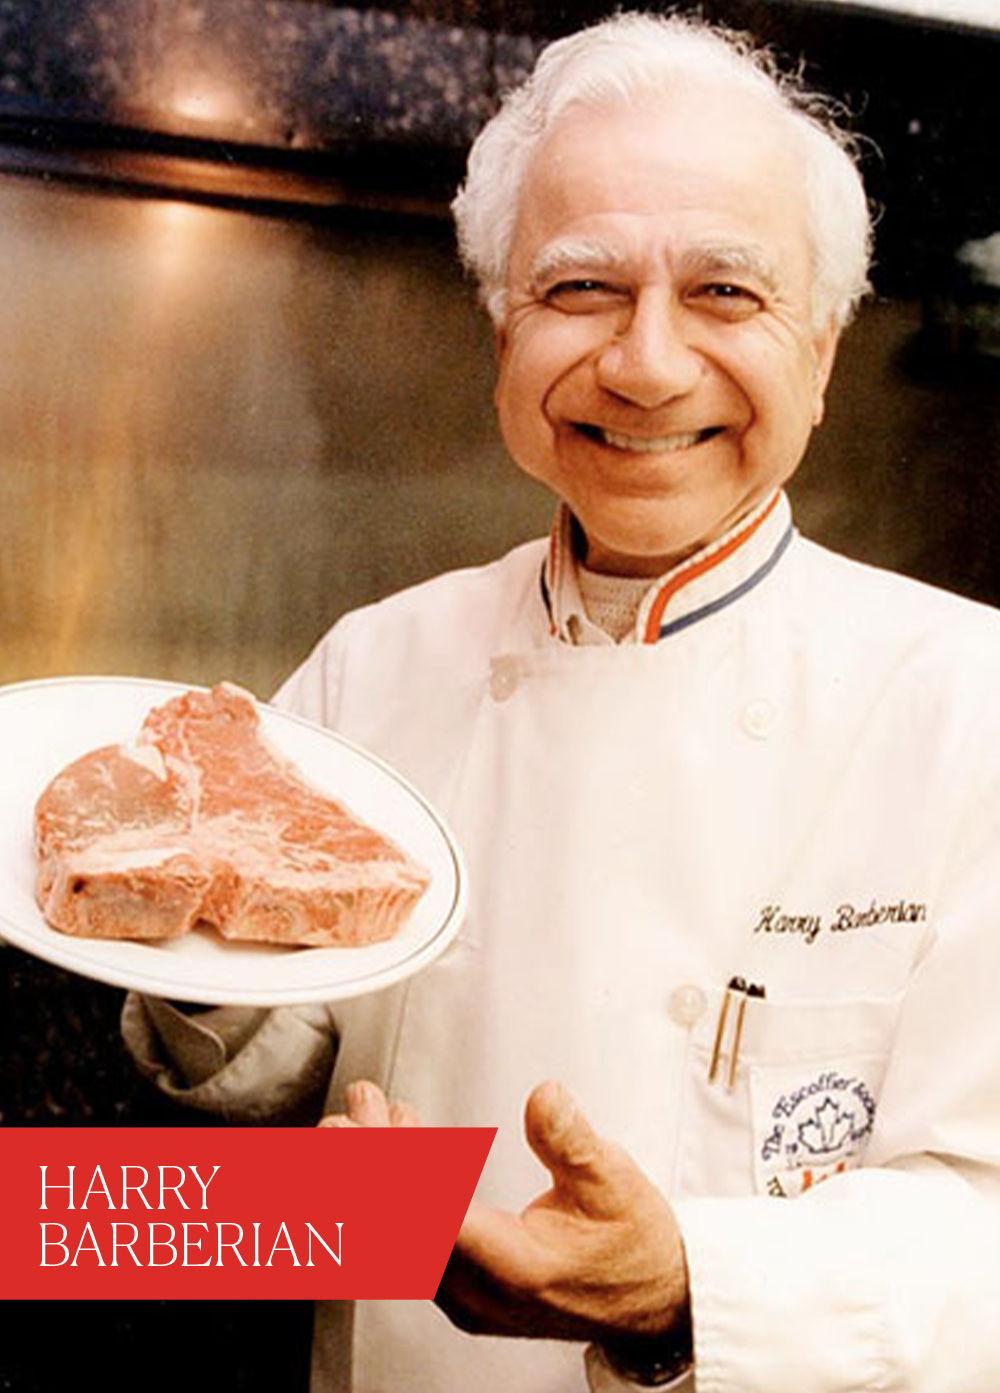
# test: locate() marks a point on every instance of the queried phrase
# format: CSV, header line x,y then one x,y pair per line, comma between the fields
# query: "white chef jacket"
x,y
792,777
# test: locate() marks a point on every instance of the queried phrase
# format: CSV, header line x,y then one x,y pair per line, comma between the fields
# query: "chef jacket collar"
x,y
698,587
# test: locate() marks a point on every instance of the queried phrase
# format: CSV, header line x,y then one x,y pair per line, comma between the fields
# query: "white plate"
x,y
44,725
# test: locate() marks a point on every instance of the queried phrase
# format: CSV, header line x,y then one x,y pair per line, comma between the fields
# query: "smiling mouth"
x,y
648,444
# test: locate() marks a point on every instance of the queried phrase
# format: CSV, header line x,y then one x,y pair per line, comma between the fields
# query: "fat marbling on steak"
x,y
202,821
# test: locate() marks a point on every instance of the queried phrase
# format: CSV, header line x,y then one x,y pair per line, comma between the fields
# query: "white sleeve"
x,y
886,1277
242,1064
877,1280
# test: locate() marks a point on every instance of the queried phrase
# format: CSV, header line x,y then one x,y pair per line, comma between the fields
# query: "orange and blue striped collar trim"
x,y
698,587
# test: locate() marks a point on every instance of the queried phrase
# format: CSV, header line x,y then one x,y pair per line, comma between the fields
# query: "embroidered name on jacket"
x,y
774,919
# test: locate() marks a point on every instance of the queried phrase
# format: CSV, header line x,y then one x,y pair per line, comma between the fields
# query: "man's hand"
x,y
597,1257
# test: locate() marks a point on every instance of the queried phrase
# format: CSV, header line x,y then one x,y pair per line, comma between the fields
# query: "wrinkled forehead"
x,y
733,155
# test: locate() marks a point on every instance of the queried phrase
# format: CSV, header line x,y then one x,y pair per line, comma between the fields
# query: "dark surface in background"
x,y
379,101
925,94
156,1347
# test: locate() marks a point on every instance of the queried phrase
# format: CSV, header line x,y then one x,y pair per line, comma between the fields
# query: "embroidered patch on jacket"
x,y
811,1125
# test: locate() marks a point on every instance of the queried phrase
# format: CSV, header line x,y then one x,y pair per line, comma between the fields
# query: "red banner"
x,y
257,1213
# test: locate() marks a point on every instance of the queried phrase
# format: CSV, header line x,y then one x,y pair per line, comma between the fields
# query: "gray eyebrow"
x,y
739,259
574,254
713,259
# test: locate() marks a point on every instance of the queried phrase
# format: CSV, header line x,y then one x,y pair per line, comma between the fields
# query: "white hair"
x,y
630,56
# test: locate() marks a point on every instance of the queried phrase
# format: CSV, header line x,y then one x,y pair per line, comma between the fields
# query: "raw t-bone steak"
x,y
201,821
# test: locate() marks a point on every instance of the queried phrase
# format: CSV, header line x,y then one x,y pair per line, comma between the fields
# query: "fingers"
x,y
367,1106
498,1245
590,1175
557,1131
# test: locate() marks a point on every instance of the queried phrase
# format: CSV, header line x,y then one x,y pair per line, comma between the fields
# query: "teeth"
x,y
651,445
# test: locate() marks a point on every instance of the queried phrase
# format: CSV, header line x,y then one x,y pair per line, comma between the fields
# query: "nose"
x,y
650,360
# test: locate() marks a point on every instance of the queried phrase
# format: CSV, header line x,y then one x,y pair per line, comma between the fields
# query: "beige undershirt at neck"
x,y
612,602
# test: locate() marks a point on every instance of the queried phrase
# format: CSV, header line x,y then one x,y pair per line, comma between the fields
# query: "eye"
x,y
730,299
584,295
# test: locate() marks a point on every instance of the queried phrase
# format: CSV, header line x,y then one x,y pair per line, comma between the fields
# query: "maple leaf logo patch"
x,y
814,1127
827,1130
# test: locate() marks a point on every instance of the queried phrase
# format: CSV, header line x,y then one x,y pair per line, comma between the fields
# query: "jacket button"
x,y
504,676
759,718
687,1003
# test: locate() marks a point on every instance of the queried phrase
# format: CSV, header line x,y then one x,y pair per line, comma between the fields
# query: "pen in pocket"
x,y
738,990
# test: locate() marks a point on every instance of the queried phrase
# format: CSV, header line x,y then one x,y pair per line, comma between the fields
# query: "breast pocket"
x,y
801,1103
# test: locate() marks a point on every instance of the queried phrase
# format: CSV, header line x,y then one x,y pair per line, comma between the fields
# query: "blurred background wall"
x,y
220,429
244,387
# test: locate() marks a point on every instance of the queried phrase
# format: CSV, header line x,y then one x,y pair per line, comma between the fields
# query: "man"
x,y
729,802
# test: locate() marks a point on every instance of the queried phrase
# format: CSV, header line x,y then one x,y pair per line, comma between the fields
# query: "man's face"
x,y
658,368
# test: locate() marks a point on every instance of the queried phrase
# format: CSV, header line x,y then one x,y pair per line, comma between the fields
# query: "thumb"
x,y
562,1138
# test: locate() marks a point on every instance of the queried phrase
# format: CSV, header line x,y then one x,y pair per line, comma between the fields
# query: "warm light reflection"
x,y
177,252
86,560
174,238
198,99
200,84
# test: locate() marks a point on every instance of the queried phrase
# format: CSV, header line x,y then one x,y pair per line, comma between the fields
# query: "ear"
x,y
824,354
